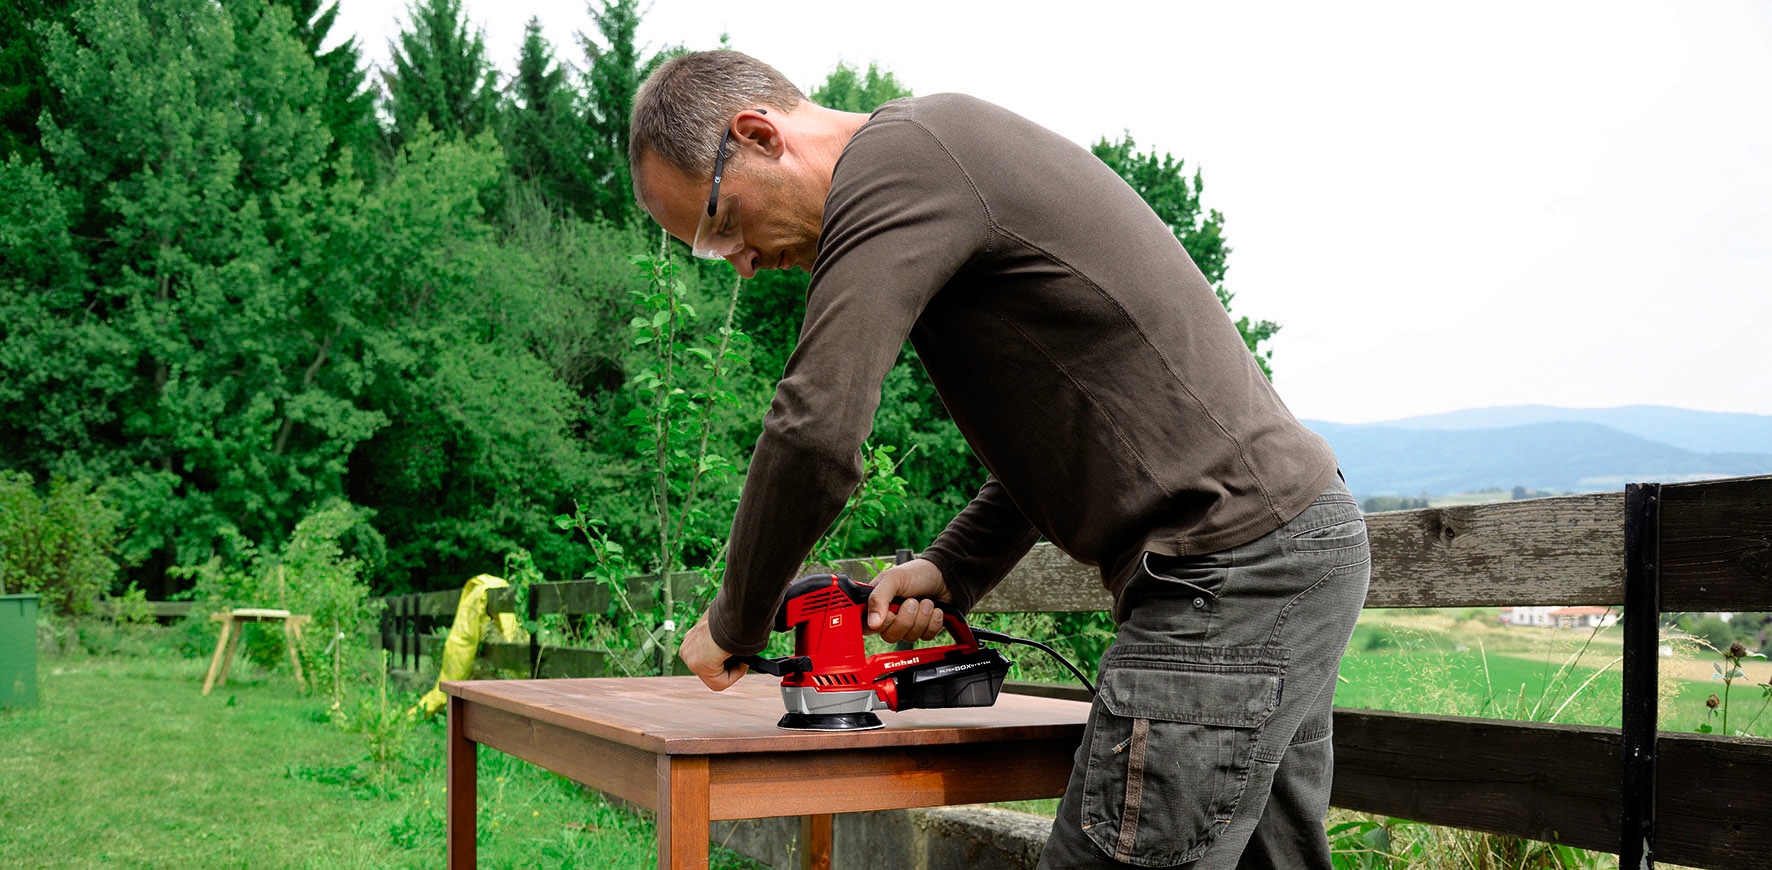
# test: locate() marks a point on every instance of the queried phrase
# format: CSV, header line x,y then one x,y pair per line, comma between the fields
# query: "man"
x,y
1093,371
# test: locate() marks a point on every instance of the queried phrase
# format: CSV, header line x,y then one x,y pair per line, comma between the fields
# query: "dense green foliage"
x,y
58,545
237,295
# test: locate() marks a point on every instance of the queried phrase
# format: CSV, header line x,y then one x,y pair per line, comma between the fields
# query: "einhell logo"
x,y
836,620
902,663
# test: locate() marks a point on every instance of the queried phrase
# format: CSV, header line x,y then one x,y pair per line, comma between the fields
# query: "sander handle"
x,y
774,667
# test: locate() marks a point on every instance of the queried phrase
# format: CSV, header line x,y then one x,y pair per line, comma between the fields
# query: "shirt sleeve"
x,y
902,219
981,545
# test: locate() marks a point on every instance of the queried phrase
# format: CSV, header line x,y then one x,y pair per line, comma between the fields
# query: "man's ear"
x,y
755,129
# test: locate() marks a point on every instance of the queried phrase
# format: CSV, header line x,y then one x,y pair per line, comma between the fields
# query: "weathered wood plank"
x,y
582,597
1047,581
506,656
1555,783
502,599
1710,801
1716,545
437,605
1564,550
556,661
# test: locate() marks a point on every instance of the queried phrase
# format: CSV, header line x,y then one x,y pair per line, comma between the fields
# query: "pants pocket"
x,y
1171,745
1334,531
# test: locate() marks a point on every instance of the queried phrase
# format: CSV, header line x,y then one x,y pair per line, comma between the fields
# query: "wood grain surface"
x,y
680,716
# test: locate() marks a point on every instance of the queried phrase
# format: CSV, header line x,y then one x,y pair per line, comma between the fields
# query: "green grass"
x,y
1523,674
1461,663
124,763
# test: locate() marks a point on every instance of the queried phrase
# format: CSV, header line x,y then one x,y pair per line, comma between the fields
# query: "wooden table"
x,y
691,755
233,625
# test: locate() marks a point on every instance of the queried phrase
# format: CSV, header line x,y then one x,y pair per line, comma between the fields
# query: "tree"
x,y
208,323
24,83
847,90
1166,188
441,75
349,107
549,146
613,76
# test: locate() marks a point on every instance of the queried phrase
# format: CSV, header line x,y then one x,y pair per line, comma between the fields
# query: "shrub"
x,y
59,544
311,575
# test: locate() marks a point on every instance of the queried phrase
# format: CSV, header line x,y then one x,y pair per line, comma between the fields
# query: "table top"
x,y
681,716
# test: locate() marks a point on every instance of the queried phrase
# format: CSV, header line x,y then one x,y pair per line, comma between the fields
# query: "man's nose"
x,y
745,261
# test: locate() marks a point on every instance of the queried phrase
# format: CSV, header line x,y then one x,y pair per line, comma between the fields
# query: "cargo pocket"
x,y
1171,747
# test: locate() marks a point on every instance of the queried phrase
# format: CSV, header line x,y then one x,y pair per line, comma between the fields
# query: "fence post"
x,y
1642,651
533,615
409,633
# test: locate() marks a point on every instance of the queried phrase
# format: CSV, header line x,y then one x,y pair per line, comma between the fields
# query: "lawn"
x,y
124,763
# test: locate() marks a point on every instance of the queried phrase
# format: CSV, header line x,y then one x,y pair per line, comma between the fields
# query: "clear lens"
x,y
716,236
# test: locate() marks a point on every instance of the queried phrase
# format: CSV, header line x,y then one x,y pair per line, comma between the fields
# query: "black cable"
x,y
999,637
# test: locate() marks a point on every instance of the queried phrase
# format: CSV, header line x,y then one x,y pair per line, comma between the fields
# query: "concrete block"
x,y
943,838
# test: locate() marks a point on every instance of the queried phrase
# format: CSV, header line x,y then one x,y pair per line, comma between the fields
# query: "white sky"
x,y
1445,206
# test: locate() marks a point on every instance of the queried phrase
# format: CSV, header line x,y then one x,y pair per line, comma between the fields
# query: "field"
x,y
1465,663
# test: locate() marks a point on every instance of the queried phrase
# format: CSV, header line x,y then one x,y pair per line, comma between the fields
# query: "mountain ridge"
x,y
1432,456
1697,431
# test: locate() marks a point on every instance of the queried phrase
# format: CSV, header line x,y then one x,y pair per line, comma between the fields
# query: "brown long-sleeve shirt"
x,y
1079,349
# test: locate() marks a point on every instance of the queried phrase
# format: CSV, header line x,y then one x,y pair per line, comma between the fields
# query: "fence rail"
x,y
1635,791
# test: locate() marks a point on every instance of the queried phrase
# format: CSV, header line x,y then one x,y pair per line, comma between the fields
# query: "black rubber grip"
x,y
774,667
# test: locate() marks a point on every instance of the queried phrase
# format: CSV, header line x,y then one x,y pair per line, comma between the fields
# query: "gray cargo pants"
x,y
1209,743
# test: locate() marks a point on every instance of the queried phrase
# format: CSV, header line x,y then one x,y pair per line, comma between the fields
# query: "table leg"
x,y
221,649
221,679
292,642
462,799
683,812
815,842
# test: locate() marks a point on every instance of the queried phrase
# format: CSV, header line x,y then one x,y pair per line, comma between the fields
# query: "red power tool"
x,y
830,683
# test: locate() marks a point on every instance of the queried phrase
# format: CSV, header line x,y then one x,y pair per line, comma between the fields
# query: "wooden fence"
x,y
1646,795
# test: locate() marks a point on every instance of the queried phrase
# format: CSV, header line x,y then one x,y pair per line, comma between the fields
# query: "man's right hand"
x,y
919,583
706,659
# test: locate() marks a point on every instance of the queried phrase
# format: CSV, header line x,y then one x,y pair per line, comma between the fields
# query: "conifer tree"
x,y
441,75
547,144
614,74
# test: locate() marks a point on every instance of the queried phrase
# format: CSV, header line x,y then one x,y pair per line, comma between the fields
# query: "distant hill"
x,y
1697,431
1468,451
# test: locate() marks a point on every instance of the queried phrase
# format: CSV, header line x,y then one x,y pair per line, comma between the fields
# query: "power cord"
x,y
999,637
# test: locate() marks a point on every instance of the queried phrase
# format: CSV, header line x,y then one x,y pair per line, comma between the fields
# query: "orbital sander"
x,y
830,683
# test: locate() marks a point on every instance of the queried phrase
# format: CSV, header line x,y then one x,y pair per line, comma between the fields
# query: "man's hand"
x,y
706,659
919,583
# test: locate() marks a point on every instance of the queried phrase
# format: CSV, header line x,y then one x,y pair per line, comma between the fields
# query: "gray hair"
x,y
683,108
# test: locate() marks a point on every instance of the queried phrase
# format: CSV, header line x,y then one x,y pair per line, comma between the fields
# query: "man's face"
x,y
763,208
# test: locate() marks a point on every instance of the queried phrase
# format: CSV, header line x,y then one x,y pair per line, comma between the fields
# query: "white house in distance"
x,y
1560,617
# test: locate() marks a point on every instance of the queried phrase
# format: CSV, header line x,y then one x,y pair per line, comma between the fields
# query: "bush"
x,y
58,545
1712,629
311,575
